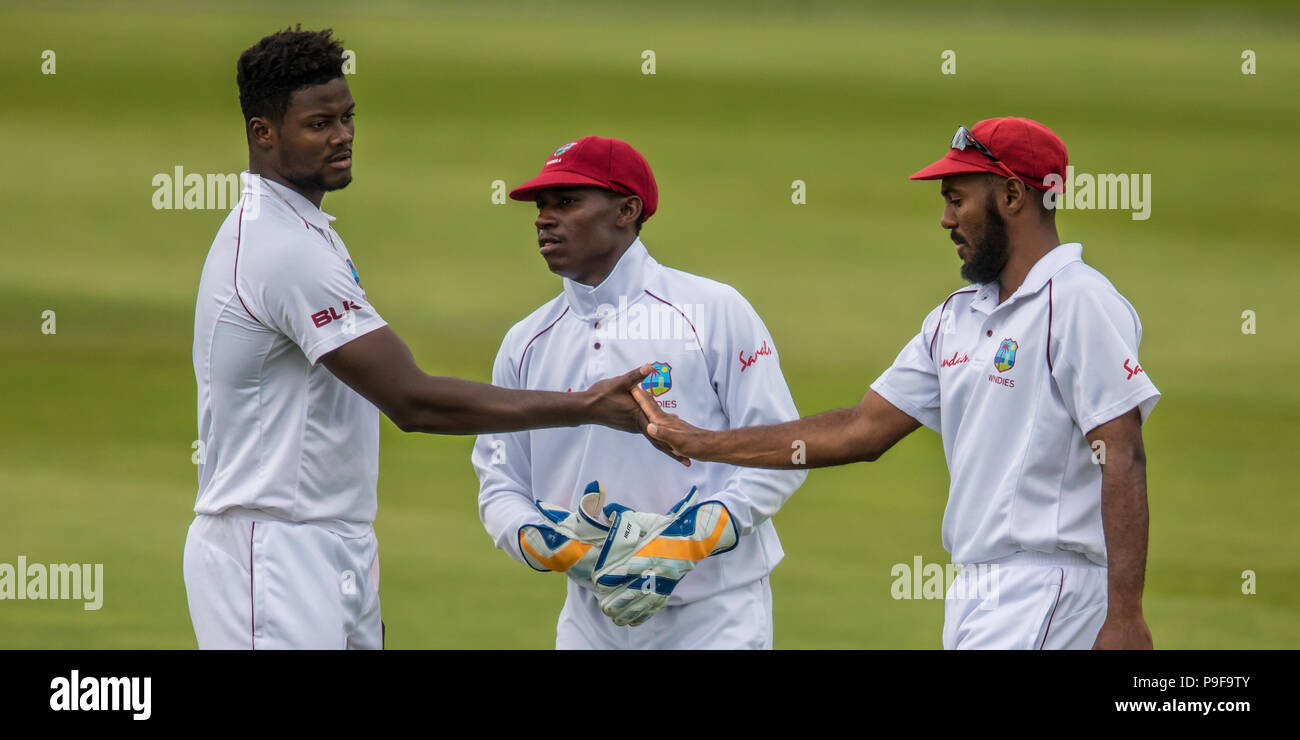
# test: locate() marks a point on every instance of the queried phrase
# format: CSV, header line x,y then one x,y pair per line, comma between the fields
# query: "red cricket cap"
x,y
596,162
1028,148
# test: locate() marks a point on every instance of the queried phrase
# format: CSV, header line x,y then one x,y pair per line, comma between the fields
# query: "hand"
x,y
1124,633
679,439
647,555
571,541
612,406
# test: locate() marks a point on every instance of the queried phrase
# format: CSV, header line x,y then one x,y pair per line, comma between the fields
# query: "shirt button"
x,y
597,345
596,325
988,333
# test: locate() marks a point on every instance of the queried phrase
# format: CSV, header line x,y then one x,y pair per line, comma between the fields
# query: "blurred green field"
x,y
98,419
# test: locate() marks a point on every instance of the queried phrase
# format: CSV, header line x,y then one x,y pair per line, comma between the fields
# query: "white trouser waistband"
x,y
348,530
1060,558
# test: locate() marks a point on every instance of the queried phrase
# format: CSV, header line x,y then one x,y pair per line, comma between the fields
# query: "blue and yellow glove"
x,y
571,541
646,555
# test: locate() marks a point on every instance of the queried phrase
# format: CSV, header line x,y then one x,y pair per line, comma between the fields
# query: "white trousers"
x,y
276,585
738,619
1028,601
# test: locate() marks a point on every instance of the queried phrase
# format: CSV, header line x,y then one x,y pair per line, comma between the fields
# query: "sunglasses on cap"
x,y
964,138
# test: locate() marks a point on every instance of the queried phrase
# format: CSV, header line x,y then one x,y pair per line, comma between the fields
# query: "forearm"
x,y
442,405
1125,518
380,367
829,438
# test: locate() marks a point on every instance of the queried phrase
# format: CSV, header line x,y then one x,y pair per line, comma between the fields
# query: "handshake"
x,y
634,559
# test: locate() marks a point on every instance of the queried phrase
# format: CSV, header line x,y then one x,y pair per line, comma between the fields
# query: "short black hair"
x,y
270,71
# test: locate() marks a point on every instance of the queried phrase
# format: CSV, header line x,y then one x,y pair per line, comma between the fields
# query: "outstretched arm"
x,y
380,367
861,433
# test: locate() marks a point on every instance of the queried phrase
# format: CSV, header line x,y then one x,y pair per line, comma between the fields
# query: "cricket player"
x,y
1032,378
715,364
294,364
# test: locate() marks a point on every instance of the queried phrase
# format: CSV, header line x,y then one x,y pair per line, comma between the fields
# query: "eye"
x,y
349,116
318,125
567,201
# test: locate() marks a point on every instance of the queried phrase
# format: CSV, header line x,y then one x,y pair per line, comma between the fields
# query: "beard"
x,y
317,181
989,252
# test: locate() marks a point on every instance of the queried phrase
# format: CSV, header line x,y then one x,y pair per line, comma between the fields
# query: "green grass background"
x,y
98,419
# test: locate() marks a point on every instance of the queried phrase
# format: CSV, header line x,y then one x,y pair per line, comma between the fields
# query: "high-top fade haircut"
x,y
270,71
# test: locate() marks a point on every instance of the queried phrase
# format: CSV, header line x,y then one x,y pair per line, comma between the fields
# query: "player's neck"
x,y
313,195
1024,254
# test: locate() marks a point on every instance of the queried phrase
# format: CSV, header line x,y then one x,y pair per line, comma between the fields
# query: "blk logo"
x,y
321,318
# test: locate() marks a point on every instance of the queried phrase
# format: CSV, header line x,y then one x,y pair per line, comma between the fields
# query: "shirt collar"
x,y
1048,265
986,298
626,280
303,208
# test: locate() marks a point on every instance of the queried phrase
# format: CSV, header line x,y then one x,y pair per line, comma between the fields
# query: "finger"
x,y
652,431
648,405
663,447
628,608
643,616
614,603
642,422
633,378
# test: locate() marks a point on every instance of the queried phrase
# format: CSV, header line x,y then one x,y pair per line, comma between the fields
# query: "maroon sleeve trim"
x,y
239,235
1049,326
519,372
940,324
698,343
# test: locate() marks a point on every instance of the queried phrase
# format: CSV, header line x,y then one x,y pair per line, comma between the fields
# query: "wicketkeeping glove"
x,y
571,542
646,555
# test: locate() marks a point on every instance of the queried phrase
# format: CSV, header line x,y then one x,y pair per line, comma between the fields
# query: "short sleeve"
x,y
1094,357
912,383
310,294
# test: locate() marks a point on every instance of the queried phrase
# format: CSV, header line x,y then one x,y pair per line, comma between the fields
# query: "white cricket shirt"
x,y
1013,389
716,367
281,436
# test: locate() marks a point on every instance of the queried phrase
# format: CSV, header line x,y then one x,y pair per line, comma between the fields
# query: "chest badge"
x,y
660,381
1005,359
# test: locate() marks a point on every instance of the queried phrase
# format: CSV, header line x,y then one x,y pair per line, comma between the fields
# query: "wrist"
x,y
711,446
1125,609
584,408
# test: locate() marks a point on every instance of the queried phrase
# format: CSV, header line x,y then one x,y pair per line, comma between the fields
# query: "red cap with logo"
x,y
1028,149
596,162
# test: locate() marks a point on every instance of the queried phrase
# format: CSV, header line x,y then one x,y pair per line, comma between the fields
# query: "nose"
x,y
545,218
949,218
345,134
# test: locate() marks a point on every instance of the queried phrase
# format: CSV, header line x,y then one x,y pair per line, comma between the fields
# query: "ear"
x,y
629,211
1014,196
262,133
